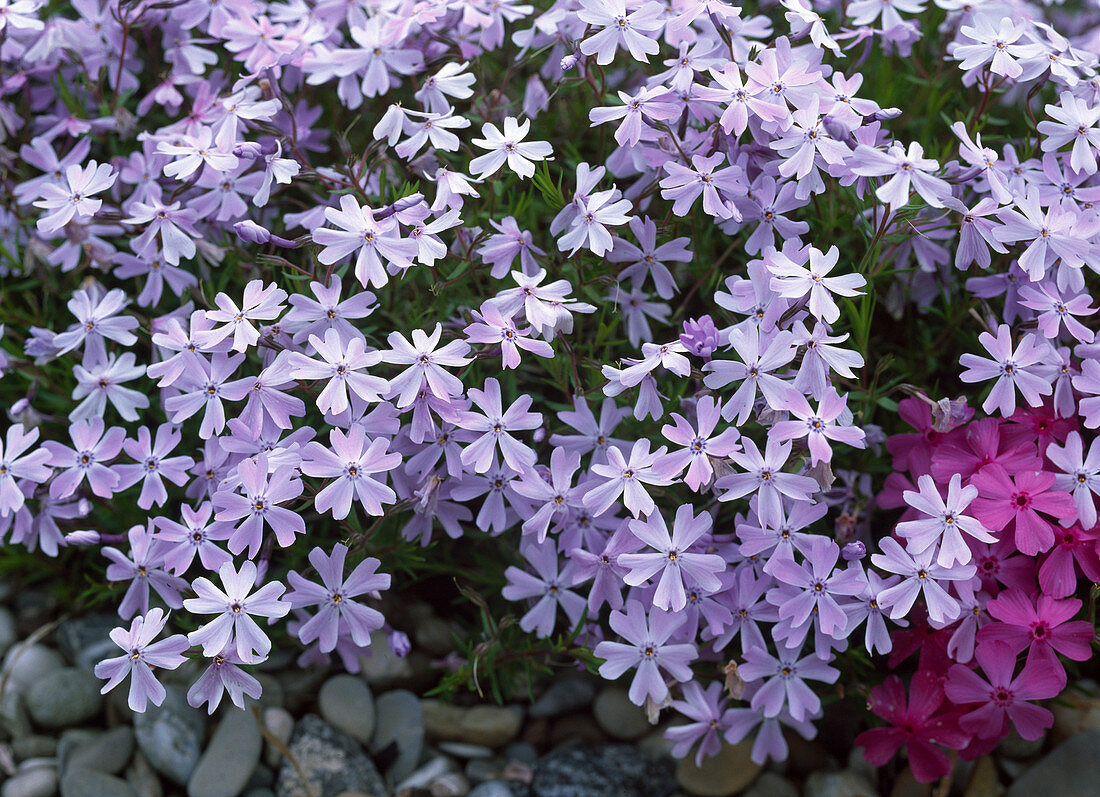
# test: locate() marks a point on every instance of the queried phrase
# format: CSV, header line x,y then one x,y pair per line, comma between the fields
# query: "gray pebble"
x,y
109,752
171,736
89,783
232,755
399,721
39,782
346,703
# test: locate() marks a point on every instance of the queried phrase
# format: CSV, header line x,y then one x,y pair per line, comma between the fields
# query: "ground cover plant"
x,y
745,354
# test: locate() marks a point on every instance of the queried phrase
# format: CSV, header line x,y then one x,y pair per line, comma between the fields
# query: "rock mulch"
x,y
317,733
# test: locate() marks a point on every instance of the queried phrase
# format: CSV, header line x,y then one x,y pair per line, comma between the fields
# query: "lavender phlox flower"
x,y
1020,368
647,649
553,498
785,687
740,100
258,304
359,231
809,280
508,147
97,320
994,43
920,575
1087,383
626,477
983,159
339,612
761,354
74,197
945,523
268,402
603,568
451,80
764,475
648,258
700,336
1073,119
430,128
140,654
594,215
262,490
635,30
804,145
595,436
812,587
550,587
224,675
173,336
351,459
19,461
667,355
103,382
673,560
192,152
492,326
315,316
425,364
234,608
341,360
94,445
783,536
907,170
500,250
647,104
202,385
193,536
699,445
496,426
978,233
820,354
718,187
1051,235
830,421
865,609
143,568
708,712
173,224
153,465
1080,474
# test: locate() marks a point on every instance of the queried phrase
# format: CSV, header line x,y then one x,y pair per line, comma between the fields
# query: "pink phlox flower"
x,y
994,43
235,607
647,650
550,586
140,655
339,613
944,524
739,101
1003,498
1022,369
1002,698
673,560
916,723
804,146
603,568
982,444
1042,626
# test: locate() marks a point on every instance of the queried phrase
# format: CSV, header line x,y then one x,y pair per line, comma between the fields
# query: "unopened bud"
x,y
568,62
399,643
853,551
87,537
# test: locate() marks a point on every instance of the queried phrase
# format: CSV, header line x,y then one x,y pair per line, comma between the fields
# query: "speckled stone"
x,y
603,771
331,761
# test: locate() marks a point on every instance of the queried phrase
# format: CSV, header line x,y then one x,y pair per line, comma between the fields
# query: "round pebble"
x,y
721,775
227,763
39,782
346,703
618,717
25,665
64,697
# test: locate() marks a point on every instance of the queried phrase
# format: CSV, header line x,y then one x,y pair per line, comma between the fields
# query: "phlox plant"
x,y
745,354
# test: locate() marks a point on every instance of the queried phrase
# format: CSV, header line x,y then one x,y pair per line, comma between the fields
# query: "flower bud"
x,y
399,643
87,537
853,551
